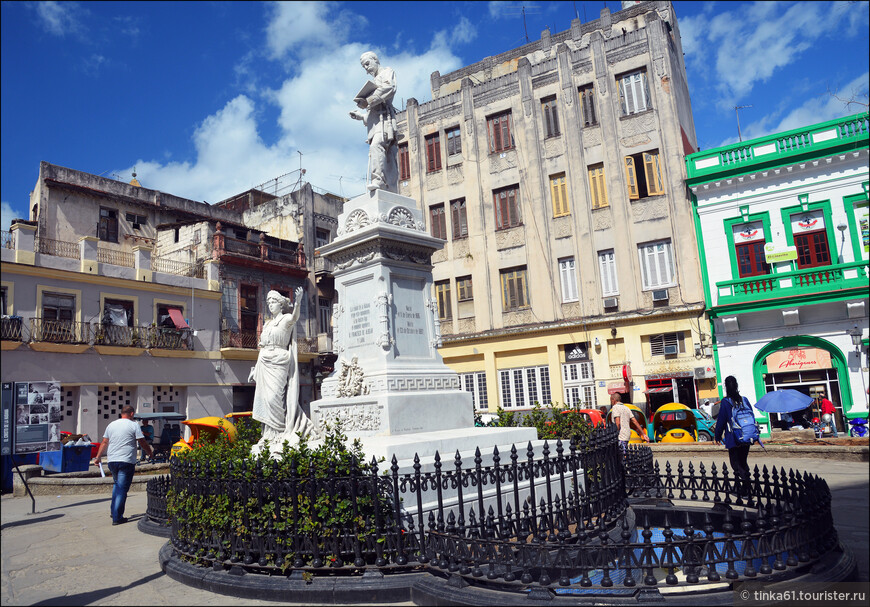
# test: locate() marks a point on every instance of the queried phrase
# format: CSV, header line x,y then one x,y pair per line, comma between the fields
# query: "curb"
x,y
845,453
320,590
74,483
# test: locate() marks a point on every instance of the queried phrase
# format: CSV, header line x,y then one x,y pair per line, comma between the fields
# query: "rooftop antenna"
x,y
511,11
737,109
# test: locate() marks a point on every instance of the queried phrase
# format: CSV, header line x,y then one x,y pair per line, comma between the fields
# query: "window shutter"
x,y
652,166
645,90
631,178
630,102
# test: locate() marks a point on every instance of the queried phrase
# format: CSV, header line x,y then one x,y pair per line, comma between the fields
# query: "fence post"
x,y
142,262
88,254
25,243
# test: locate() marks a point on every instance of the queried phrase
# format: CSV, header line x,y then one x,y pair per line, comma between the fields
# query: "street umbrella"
x,y
783,401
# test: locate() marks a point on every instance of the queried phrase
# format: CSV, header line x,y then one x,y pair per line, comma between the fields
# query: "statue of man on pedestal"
x,y
376,97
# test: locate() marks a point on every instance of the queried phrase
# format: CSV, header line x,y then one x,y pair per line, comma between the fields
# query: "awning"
x,y
617,387
177,318
658,390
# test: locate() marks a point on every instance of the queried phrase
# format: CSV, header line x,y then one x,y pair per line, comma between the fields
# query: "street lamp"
x,y
856,334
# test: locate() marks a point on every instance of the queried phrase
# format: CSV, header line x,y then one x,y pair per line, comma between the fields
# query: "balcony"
x,y
11,328
59,331
99,334
780,149
239,339
58,248
178,268
223,245
791,284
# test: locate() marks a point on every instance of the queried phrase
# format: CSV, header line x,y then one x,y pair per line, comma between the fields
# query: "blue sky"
x,y
208,99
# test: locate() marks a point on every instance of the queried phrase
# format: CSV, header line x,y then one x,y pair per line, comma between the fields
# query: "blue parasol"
x,y
783,401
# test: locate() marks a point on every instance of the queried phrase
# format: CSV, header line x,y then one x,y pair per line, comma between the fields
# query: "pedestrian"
x,y
624,420
119,444
148,433
736,432
828,411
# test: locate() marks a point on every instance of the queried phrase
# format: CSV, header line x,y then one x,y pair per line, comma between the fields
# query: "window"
x,y
597,186
579,385
507,207
569,279
433,152
656,264
324,315
163,317
404,162
499,130
459,218
197,236
249,310
454,141
108,226
551,117
321,237
587,105
442,295
137,220
58,311
4,295
646,182
230,305
750,259
666,344
476,384
812,249
514,294
633,93
117,312
438,221
607,267
559,195
524,387
463,288
177,236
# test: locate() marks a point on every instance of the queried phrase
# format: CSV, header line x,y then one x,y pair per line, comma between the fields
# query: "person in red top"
x,y
828,411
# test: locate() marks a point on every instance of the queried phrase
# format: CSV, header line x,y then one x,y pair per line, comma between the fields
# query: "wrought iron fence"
x,y
7,239
157,489
239,339
289,256
576,518
169,338
58,248
115,257
59,331
118,335
179,268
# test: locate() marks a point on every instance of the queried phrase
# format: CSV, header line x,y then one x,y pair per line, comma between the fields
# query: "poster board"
x,y
37,417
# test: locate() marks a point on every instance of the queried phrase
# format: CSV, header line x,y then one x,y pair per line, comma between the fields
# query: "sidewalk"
x,y
69,553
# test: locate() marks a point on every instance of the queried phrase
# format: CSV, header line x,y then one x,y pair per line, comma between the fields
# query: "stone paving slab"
x,y
68,553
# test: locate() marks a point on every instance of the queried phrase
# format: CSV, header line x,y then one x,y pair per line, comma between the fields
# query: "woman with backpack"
x,y
736,421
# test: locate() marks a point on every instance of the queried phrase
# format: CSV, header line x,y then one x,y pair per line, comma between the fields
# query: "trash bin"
x,y
69,459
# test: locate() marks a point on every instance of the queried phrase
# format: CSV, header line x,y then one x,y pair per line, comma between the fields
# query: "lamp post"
x,y
857,334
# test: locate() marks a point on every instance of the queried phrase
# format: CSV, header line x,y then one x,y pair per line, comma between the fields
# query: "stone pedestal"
x,y
390,385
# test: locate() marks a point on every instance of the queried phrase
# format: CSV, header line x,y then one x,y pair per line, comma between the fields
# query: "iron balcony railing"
x,y
786,284
58,248
59,331
7,239
231,338
11,328
115,257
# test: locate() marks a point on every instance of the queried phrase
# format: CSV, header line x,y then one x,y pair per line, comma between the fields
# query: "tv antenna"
x,y
512,12
737,109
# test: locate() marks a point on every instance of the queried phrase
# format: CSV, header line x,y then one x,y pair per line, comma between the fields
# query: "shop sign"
x,y
618,387
576,352
798,359
773,255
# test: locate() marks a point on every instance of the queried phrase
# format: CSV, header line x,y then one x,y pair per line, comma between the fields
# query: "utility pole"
x,y
737,109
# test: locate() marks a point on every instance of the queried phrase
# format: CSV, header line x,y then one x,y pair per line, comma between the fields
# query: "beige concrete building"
x,y
555,174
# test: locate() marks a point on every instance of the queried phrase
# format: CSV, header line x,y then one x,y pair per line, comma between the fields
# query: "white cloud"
x,y
60,18
313,103
7,214
818,109
750,43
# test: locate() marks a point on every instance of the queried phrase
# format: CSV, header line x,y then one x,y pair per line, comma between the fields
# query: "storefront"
x,y
673,387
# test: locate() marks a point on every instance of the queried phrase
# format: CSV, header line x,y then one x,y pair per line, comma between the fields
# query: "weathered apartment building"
x,y
555,173
120,294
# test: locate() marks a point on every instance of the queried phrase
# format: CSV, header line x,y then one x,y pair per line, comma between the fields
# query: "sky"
x,y
208,99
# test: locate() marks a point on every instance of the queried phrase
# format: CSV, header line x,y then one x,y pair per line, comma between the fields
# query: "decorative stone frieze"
x,y
513,237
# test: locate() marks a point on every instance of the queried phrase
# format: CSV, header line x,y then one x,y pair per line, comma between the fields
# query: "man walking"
x,y
624,420
119,443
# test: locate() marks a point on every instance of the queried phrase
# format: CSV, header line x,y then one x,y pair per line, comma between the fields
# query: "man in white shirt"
x,y
624,420
119,442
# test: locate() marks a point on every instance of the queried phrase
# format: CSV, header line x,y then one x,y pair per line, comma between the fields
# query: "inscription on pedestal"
x,y
361,328
410,318
409,322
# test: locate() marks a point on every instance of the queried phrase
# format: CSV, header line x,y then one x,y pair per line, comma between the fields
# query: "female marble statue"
x,y
276,398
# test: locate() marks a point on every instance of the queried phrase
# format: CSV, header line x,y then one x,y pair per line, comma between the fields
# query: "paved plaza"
x,y
68,553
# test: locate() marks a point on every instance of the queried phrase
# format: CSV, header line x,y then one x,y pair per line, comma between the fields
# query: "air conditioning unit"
x,y
611,302
671,349
660,295
704,372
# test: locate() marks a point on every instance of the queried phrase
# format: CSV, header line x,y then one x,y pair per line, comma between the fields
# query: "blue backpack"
x,y
743,425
